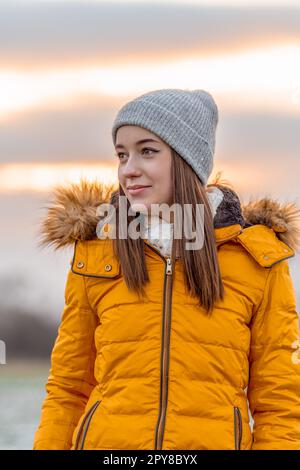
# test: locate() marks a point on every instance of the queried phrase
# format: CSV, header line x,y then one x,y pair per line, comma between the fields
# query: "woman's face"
x,y
144,160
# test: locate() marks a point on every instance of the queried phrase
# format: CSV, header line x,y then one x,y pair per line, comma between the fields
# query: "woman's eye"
x,y
145,150
149,150
119,155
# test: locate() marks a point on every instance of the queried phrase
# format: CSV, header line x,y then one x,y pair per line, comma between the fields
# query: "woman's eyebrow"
x,y
138,143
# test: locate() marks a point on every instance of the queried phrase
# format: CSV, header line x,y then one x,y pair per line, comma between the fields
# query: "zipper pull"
x,y
169,266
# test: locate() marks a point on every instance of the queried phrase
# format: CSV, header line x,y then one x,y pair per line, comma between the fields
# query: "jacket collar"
x,y
72,215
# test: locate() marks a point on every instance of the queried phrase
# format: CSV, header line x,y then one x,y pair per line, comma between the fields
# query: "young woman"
x,y
161,346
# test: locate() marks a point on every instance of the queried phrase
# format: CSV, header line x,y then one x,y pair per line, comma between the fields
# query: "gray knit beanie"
x,y
185,119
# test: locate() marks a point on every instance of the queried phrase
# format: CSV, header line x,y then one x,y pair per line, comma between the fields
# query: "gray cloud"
x,y
83,132
270,136
40,34
76,134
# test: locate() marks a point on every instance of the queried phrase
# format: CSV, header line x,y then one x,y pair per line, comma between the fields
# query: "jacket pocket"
x,y
85,425
238,427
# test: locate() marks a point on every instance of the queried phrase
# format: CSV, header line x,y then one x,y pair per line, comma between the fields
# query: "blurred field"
x,y
21,394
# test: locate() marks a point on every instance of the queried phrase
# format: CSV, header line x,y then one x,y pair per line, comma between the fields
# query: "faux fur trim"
x,y
283,218
72,214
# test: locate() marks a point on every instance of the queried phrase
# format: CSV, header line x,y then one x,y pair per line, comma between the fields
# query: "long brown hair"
x,y
201,270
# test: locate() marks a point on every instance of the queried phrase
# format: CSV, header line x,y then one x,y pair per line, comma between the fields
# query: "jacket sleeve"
x,y
274,374
71,376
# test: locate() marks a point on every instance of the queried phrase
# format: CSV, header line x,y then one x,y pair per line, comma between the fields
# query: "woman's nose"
x,y
131,167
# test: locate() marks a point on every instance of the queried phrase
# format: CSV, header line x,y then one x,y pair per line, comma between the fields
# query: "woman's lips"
x,y
133,192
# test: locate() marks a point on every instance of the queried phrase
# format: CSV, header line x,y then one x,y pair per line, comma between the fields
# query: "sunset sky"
x,y
67,66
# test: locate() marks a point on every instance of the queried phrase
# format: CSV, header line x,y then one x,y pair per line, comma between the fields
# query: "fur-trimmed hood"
x,y
72,214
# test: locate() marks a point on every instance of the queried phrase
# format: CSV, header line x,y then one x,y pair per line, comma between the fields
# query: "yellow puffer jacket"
x,y
161,374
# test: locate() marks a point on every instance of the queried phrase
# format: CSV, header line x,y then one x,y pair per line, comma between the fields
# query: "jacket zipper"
x,y
238,428
84,428
165,355
164,370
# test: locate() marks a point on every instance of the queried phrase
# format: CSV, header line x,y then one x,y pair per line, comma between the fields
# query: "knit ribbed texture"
x,y
185,119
